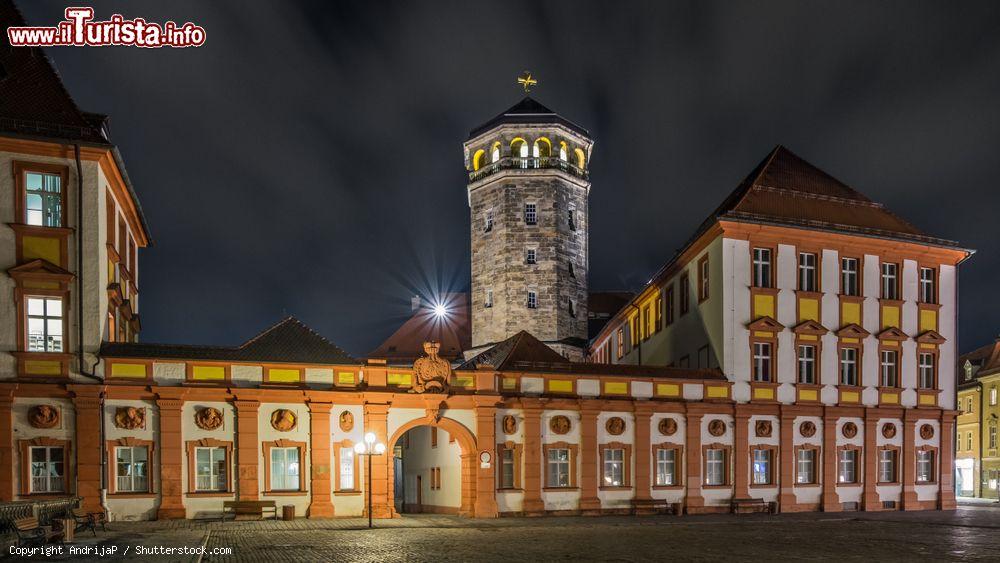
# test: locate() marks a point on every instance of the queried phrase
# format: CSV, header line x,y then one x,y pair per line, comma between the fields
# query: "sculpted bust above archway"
x,y
431,372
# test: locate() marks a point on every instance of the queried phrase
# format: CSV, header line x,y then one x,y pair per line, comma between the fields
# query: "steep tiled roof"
x,y
454,332
528,110
288,341
522,347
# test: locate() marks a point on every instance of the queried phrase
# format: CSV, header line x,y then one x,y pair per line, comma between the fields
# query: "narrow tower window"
x,y
530,214
532,300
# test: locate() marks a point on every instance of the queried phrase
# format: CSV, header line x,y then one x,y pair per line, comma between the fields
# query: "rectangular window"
x,y
890,287
572,269
530,214
847,469
807,271
715,467
928,293
807,364
762,467
284,469
887,466
762,267
620,337
530,256
210,469
132,469
43,199
347,477
571,307
614,468
993,436
45,324
488,220
47,469
762,361
558,464
888,368
849,276
488,301
925,466
507,468
805,467
666,468
685,294
658,324
848,366
925,367
993,395
532,300
670,305
968,441
704,287
571,219
647,317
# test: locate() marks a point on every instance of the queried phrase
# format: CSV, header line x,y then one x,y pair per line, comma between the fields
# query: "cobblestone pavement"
x,y
969,533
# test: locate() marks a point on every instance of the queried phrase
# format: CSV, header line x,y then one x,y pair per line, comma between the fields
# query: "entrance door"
x,y
397,483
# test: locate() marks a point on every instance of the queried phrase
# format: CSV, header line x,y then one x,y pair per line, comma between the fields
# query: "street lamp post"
x,y
368,448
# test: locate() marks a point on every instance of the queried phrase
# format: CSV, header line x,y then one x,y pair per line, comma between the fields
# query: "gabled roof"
x,y
288,341
520,348
454,332
991,363
528,110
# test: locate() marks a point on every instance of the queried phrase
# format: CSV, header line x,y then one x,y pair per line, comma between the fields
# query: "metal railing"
x,y
528,163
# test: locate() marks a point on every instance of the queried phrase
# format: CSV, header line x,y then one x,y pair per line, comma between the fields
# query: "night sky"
x,y
308,159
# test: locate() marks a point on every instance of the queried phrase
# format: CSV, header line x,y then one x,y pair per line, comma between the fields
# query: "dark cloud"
x,y
308,158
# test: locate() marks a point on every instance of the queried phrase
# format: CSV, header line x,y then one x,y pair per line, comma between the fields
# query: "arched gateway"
x,y
467,443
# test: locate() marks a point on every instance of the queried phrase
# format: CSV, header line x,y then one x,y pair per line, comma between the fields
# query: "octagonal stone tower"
x,y
528,196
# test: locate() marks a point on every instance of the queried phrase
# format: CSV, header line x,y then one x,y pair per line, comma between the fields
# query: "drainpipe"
x,y
79,268
638,347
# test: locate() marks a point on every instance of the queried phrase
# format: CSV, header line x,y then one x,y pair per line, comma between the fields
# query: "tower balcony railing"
x,y
528,163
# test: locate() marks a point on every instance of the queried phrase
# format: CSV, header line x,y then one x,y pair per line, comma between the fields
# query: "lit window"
x,y
563,156
614,467
488,221
488,301
43,199
890,287
807,364
925,466
849,276
495,155
888,368
849,366
347,477
847,466
558,464
530,256
805,467
47,469
507,468
132,469
523,150
715,467
762,361
210,469
762,267
45,324
530,214
532,300
887,466
620,337
666,467
993,436
807,271
968,441
704,286
762,467
927,292
993,395
658,321
284,469
926,371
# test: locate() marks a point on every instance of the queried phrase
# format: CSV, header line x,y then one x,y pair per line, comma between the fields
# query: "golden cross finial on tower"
x,y
527,81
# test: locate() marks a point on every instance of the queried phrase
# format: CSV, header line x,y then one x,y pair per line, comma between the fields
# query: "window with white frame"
x,y
210,469
532,299
807,271
559,467
666,467
530,214
715,466
131,469
348,480
848,366
507,468
805,466
925,369
888,368
47,469
762,361
531,256
43,199
887,466
890,287
285,469
849,276
762,267
488,220
925,466
761,467
993,395
993,436
488,300
807,363
614,467
45,324
968,441
847,466
928,294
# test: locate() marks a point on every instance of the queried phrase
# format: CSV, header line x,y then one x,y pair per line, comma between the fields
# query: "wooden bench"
x,y
660,506
29,532
238,508
737,505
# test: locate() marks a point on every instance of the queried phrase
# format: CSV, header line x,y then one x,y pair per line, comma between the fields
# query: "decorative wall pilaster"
x,y
589,501
376,421
533,504
643,451
693,498
786,462
248,449
6,443
171,458
89,450
485,477
947,461
870,498
741,453
831,499
909,460
320,504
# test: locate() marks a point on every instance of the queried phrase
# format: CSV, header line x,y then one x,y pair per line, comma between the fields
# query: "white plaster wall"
x,y
588,387
197,507
930,492
615,499
532,385
347,504
247,376
642,389
948,317
169,373
810,494
420,457
693,391
316,377
786,282
767,493
560,500
134,508
300,433
22,430
830,284
671,495
736,355
890,492
853,492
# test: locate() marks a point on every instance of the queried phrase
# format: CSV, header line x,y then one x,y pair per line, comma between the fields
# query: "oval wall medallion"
x,y
807,429
763,428
509,424
283,420
849,430
208,418
615,425
926,431
559,424
717,427
889,430
346,421
130,418
43,416
668,426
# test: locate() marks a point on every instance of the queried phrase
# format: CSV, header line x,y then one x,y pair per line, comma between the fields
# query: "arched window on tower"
x,y
542,148
580,158
563,151
477,159
495,152
519,149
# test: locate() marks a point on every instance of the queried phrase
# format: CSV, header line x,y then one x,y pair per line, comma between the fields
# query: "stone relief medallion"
x,y
889,430
849,430
43,416
283,420
926,431
431,372
763,428
559,424
615,426
346,421
807,429
130,418
208,418
717,427
667,426
509,424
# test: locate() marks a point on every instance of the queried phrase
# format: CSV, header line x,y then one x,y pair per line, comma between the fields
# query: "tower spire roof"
x,y
528,110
